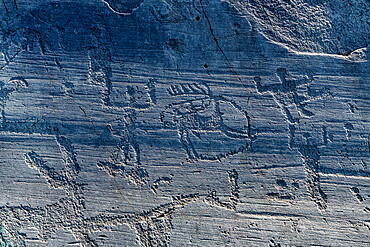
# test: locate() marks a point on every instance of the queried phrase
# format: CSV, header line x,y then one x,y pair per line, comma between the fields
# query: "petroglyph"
x,y
100,72
292,95
177,103
274,243
292,101
356,193
310,156
67,213
154,226
214,200
67,85
125,155
62,214
287,94
348,128
134,97
159,181
139,98
127,150
284,192
198,111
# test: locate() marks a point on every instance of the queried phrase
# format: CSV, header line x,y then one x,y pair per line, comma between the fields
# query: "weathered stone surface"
x,y
315,26
184,123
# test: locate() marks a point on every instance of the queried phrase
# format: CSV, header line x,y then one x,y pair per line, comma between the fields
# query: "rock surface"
x,y
184,123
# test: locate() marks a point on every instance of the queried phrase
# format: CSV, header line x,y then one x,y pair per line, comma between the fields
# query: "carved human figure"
x,y
286,95
127,151
292,95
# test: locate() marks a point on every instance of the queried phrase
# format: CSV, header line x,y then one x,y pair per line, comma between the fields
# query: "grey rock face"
x,y
333,27
184,123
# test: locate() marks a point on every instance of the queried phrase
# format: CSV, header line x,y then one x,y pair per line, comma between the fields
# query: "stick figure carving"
x,y
126,154
127,150
292,95
285,94
199,113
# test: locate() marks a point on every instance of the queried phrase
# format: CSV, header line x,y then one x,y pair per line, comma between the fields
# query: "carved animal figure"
x,y
200,112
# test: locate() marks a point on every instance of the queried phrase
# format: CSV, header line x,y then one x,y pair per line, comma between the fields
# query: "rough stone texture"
x,y
316,26
184,123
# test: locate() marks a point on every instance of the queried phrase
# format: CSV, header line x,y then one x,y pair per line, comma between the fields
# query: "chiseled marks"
x,y
159,181
310,156
66,213
100,71
196,111
348,127
126,154
286,94
214,200
292,96
289,97
361,199
127,150
152,227
100,74
356,193
284,192
67,85
125,161
13,85
139,98
273,243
